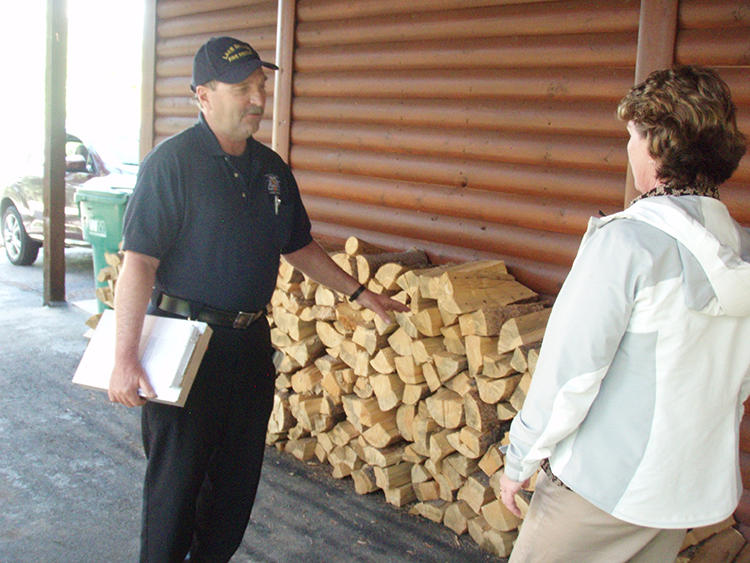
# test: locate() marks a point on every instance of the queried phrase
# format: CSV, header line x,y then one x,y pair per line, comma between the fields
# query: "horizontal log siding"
x,y
466,128
717,33
182,27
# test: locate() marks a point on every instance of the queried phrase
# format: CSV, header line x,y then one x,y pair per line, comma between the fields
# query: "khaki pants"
x,y
562,526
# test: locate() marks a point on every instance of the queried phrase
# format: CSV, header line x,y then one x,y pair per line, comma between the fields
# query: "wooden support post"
x,y
657,33
282,94
54,153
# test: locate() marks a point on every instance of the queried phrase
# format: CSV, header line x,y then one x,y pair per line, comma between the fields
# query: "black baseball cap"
x,y
227,60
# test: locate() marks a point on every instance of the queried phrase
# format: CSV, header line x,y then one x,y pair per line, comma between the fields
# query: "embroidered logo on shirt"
x,y
273,187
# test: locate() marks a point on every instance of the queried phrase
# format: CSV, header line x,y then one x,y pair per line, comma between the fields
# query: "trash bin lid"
x,y
110,188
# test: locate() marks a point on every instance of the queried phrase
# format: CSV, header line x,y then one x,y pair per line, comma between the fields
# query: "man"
x,y
212,211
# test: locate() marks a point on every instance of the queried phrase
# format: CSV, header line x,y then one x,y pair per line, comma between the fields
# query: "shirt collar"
x,y
210,141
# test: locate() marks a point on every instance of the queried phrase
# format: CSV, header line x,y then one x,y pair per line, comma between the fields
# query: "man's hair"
x,y
211,85
689,119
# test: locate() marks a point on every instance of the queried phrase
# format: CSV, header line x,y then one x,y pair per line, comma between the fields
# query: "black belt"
x,y
184,308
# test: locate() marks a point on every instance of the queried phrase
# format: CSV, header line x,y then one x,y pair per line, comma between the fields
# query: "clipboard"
x,y
170,351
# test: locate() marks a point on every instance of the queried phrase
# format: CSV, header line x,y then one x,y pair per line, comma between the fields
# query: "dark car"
x,y
22,207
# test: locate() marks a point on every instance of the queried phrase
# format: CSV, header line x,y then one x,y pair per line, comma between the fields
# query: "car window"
x,y
77,157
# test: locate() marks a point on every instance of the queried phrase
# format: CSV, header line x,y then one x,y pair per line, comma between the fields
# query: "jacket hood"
x,y
720,245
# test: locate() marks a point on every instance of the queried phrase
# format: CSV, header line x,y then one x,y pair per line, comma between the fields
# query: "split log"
x,y
499,517
462,465
346,263
305,380
448,364
292,325
400,496
354,246
505,411
523,330
492,461
457,517
415,392
461,383
400,341
493,390
343,433
479,415
476,492
439,445
427,490
419,474
453,340
355,357
423,349
306,350
428,321
487,321
468,295
370,339
408,370
325,297
393,476
364,480
432,510
346,378
281,418
388,389
446,407
518,396
431,376
328,335
383,362
382,457
476,348
406,322
383,433
303,449
368,264
498,365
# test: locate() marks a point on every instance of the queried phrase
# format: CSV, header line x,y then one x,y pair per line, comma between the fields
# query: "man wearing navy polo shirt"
x,y
212,211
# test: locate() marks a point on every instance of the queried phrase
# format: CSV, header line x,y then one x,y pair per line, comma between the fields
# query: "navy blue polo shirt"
x,y
213,221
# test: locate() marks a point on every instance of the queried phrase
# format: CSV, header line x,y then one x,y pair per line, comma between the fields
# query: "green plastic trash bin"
x,y
101,209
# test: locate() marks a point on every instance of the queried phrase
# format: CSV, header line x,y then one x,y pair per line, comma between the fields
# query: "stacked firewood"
x,y
417,407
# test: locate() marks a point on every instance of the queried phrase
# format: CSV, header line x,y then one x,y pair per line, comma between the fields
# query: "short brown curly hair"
x,y
688,116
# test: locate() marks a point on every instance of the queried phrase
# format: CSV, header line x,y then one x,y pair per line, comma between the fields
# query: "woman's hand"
x,y
508,490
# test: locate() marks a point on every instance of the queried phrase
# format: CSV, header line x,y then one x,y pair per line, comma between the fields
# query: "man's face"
x,y
234,111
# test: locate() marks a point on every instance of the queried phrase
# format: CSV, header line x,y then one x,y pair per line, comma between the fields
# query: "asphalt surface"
x,y
71,463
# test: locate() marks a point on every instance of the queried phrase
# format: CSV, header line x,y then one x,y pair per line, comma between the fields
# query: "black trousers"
x,y
204,459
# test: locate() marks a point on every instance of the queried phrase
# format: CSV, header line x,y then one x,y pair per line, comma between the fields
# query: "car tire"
x,y
19,247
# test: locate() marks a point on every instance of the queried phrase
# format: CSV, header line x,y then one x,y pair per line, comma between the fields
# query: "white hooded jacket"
x,y
639,388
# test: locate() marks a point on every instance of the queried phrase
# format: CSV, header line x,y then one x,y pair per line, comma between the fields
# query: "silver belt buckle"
x,y
243,320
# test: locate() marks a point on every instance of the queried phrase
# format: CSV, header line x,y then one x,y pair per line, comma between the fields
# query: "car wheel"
x,y
19,247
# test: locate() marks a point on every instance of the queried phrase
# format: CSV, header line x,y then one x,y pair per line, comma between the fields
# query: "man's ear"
x,y
201,94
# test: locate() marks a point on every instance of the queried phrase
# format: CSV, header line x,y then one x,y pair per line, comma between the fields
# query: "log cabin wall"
x,y
470,129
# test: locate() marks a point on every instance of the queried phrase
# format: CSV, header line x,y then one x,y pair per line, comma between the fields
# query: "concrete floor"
x,y
71,463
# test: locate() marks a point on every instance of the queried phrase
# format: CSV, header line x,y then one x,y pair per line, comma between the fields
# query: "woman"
x,y
638,394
